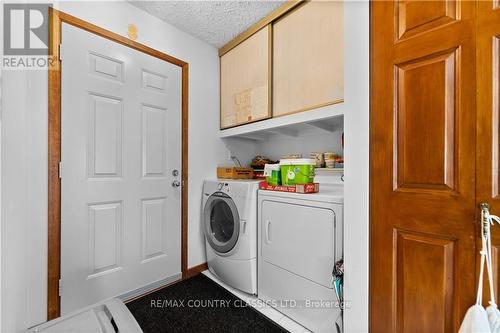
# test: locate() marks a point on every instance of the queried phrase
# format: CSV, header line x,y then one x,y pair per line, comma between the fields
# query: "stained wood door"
x,y
120,141
488,126
422,133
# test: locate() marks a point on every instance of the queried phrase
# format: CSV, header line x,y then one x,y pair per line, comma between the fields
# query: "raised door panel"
x,y
426,122
154,81
414,17
105,229
154,145
415,253
308,58
105,137
245,76
495,260
154,233
105,67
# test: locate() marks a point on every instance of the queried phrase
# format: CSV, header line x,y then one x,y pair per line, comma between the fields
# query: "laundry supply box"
x,y
300,239
234,173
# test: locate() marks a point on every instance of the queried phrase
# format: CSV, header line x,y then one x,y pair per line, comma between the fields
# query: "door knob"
x,y
484,206
485,221
176,183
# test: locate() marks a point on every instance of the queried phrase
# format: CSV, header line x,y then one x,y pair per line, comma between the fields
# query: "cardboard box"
x,y
234,173
302,188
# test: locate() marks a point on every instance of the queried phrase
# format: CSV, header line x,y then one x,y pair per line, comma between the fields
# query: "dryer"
x,y
229,220
300,240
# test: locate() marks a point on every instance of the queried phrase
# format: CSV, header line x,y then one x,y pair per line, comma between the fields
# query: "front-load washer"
x,y
229,220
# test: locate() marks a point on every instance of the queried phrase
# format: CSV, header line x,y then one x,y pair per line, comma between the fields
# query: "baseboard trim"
x,y
160,284
149,288
195,270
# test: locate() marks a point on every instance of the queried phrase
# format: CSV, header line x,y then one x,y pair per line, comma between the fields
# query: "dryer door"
x,y
221,222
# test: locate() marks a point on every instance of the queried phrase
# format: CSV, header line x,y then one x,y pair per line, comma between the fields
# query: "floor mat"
x,y
198,305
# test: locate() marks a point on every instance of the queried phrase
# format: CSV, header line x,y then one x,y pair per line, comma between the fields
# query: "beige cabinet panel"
x,y
308,64
245,73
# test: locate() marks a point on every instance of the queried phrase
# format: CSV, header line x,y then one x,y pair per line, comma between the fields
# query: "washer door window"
x,y
222,222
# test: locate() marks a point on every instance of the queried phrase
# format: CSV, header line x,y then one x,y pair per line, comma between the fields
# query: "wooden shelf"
x,y
328,118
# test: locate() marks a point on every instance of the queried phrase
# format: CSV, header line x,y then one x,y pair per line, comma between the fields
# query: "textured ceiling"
x,y
216,22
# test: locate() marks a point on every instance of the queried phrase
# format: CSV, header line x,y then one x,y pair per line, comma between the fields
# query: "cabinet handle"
x,y
268,224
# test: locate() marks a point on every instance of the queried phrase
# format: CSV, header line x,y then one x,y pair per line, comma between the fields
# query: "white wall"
x,y
24,199
24,155
305,140
356,166
1,108
243,149
311,140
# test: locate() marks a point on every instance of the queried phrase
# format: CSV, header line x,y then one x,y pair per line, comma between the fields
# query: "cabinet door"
x,y
245,79
308,64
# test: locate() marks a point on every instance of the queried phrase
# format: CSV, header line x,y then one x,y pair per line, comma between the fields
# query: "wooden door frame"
x,y
54,146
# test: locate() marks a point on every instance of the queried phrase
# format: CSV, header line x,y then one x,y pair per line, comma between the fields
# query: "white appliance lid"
x,y
327,193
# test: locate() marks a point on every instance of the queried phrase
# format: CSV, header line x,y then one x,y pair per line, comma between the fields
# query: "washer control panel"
x,y
234,189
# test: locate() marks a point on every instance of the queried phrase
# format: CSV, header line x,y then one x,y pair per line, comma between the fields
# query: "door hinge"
x,y
60,287
59,51
60,170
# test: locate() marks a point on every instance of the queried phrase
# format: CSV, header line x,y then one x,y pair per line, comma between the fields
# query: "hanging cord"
x,y
236,161
484,254
487,221
479,296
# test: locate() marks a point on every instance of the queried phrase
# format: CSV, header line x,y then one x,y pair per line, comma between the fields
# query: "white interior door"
x,y
121,141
